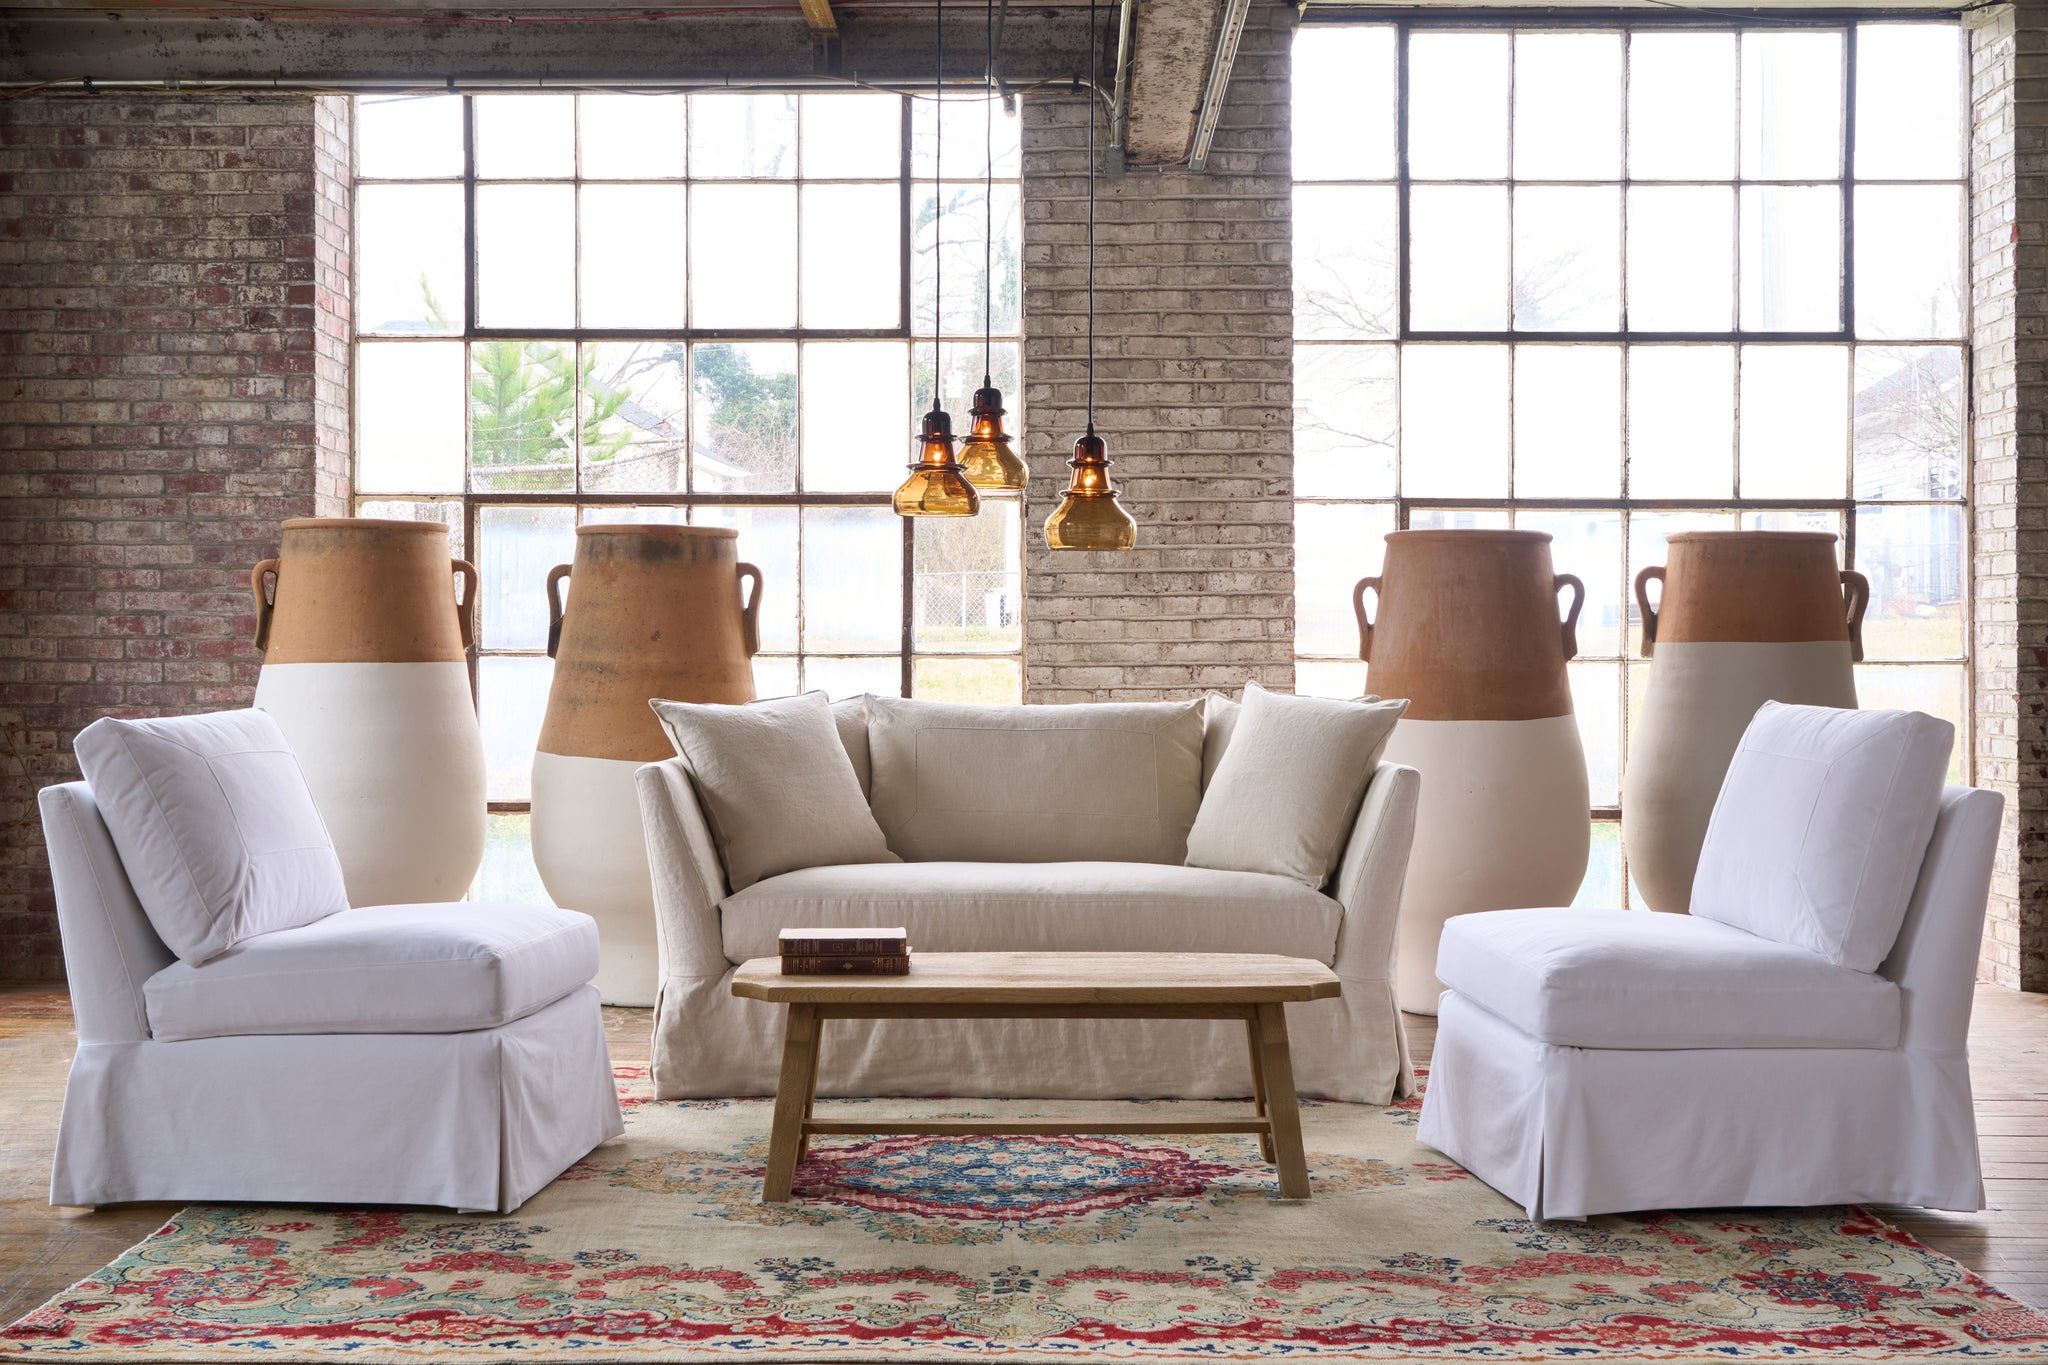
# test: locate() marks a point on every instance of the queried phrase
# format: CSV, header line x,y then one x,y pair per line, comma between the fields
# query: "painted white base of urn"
x,y
592,856
1701,698
1501,824
395,762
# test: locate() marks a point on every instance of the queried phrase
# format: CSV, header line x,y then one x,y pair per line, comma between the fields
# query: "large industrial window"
x,y
707,307
1615,280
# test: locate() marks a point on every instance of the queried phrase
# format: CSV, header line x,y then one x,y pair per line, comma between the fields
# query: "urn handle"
x,y
465,608
266,599
1571,618
1855,599
555,577
750,613
1655,571
1364,621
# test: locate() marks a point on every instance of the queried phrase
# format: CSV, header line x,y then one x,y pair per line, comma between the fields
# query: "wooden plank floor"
x,y
40,1253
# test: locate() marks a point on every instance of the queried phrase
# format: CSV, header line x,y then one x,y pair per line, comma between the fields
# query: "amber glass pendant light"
x,y
991,464
1089,516
937,486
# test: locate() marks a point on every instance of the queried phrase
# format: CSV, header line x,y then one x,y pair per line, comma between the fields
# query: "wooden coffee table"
x,y
1254,988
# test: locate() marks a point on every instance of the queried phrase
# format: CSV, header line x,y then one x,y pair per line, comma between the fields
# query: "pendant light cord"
x,y
938,186
988,208
1092,43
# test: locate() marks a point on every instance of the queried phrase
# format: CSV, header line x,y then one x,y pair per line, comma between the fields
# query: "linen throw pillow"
x,y
1288,787
215,826
1099,782
1219,722
777,785
1817,836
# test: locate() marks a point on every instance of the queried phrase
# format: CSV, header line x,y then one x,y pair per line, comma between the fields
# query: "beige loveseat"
x,y
1044,828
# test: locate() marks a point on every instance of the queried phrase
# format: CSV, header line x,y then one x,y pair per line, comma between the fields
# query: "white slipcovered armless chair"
x,y
446,1055
1799,1039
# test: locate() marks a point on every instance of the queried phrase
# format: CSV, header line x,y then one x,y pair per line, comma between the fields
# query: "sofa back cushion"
x,y
850,718
1104,782
1822,821
215,826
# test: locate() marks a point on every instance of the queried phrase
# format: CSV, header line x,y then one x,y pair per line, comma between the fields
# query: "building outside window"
x,y
714,308
1613,281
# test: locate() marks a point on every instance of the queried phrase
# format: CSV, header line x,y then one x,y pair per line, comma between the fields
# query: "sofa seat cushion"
x,y
1614,979
1049,907
381,969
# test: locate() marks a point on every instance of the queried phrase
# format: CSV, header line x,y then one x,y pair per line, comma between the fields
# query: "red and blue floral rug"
x,y
1022,1249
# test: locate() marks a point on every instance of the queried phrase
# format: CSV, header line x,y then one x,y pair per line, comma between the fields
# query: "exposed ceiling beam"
x,y
1228,31
818,14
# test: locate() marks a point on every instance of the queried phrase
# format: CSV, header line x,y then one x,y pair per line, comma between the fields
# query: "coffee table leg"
x,y
1251,1033
803,1141
1278,1065
792,1100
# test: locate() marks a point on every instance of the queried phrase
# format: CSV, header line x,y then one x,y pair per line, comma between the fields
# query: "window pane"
x,y
1909,261
1648,544
1791,105
1454,421
1596,700
1344,266
1458,518
632,137
1567,106
1343,103
1568,259
636,417
851,267
743,136
1909,101
841,678
853,582
1458,258
1681,421
1344,421
1909,422
965,364
526,255
1914,559
1328,678
619,514
633,255
977,682
1681,106
1601,890
409,137
525,137
775,676
1458,106
517,547
851,136
1936,689
969,582
857,425
1681,258
967,122
512,697
508,873
1791,258
1795,438
1587,543
409,417
448,514
768,542
1335,545
742,255
409,264
745,417
960,233
1567,421
522,416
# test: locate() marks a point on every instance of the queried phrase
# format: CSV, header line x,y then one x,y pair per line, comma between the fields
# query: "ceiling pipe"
x,y
1228,32
1120,98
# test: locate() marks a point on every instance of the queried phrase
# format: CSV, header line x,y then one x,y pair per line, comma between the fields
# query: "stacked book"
x,y
845,952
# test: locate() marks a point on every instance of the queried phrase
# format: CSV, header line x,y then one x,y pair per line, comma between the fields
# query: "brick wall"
x,y
1194,395
173,381
2009,305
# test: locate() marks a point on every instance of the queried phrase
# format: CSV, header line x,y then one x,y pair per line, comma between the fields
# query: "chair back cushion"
x,y
1101,782
777,785
1817,835
1287,789
216,827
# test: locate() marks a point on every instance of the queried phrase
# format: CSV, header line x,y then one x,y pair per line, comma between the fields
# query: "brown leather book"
x,y
846,964
843,942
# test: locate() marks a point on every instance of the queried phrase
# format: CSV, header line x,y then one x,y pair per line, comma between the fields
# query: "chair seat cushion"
x,y
1041,907
381,969
1614,979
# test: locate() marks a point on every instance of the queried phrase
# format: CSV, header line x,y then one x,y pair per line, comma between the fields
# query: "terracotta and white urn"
x,y
653,611
1745,617
1470,632
365,669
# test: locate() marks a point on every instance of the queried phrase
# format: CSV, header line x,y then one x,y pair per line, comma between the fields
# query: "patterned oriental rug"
x,y
1021,1249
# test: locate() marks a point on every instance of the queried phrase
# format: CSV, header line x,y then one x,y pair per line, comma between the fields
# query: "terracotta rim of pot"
x,y
1779,537
1467,532
359,523
641,528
